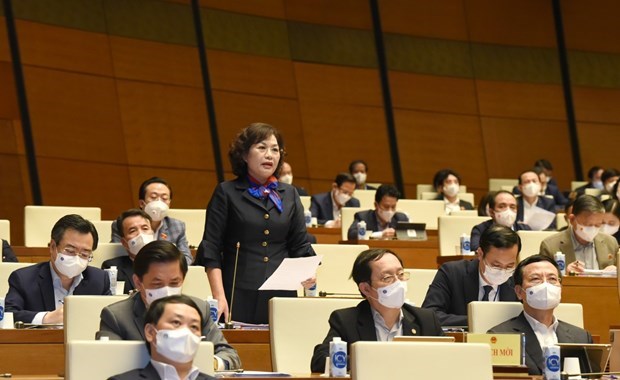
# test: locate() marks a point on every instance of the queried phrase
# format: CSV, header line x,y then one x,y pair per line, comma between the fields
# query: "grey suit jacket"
x,y
605,246
124,320
566,333
149,372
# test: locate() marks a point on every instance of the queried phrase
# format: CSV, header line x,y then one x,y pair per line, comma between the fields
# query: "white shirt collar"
x,y
168,372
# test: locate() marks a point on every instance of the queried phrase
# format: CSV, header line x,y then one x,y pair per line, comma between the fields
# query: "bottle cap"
x,y
113,267
337,339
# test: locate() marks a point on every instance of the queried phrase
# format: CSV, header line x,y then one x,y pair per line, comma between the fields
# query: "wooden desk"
x,y
326,235
31,254
415,254
252,346
33,352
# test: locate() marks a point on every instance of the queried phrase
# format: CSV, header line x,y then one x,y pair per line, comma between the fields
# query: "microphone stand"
x,y
325,294
229,324
566,376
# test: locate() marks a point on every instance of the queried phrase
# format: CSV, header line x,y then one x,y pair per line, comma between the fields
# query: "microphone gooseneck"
x,y
323,293
229,324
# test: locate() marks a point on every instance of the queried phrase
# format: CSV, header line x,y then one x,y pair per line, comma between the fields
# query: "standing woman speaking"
x,y
265,216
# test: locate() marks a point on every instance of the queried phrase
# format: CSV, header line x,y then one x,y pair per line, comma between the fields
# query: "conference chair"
x,y
106,251
618,276
5,230
306,201
374,184
82,315
194,223
5,271
421,211
575,184
418,284
431,195
104,230
464,213
39,220
451,228
427,188
560,221
336,264
420,360
366,198
530,242
296,326
495,184
482,316
100,359
594,192
347,215
196,282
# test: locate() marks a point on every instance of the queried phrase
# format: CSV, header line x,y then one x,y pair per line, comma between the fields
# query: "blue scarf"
x,y
268,189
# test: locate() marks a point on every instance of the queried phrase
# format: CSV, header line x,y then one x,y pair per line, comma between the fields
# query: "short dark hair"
x,y
608,173
612,206
386,191
441,176
593,170
492,199
158,251
77,223
498,236
361,271
344,177
587,203
352,165
533,170
156,310
250,135
128,214
145,184
486,199
518,274
543,163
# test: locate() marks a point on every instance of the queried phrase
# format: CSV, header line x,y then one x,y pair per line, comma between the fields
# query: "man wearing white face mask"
x,y
159,271
383,219
447,183
538,285
326,206
359,170
286,176
486,278
381,280
36,293
582,244
155,197
529,201
172,331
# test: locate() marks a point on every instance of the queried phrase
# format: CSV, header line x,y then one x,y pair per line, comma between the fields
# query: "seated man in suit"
x,y
135,233
383,219
359,169
609,179
36,293
538,284
486,278
581,243
159,271
447,183
503,211
383,314
547,188
154,197
326,206
172,331
7,253
286,176
530,200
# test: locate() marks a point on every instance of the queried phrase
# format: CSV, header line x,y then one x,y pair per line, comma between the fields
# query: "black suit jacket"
x,y
124,265
31,290
7,253
542,202
370,217
149,372
322,206
464,204
455,285
357,324
551,189
478,229
534,360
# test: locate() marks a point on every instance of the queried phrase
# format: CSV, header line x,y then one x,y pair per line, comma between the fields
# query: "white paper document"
x,y
292,272
540,219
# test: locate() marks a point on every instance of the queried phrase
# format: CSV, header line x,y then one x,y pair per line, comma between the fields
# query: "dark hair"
x,y
593,170
250,135
518,275
386,191
569,206
441,176
533,170
145,184
492,200
77,223
498,236
539,170
352,165
482,206
608,173
543,163
157,308
361,266
587,203
128,214
612,206
344,177
158,251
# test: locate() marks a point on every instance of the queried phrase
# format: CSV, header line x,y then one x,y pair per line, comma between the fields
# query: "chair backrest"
x,y
428,188
196,283
100,360
107,251
418,285
420,211
496,184
482,316
291,345
530,242
618,275
306,200
594,192
346,218
39,220
508,188
464,213
5,271
420,360
104,230
560,220
366,198
450,230
82,315
194,223
576,184
431,195
5,230
333,273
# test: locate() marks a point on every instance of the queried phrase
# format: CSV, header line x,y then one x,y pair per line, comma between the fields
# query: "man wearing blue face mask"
x,y
382,281
538,284
486,278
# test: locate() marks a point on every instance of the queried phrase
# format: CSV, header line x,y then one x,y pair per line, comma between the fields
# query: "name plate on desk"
x,y
507,349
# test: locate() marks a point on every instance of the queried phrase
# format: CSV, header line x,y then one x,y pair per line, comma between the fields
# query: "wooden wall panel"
x,y
599,145
598,105
8,98
344,13
592,25
5,53
266,8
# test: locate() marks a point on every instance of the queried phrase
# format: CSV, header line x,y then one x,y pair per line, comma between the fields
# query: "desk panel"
x,y
414,254
252,346
326,235
32,352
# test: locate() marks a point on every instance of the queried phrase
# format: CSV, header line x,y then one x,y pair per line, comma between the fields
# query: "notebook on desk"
x,y
411,231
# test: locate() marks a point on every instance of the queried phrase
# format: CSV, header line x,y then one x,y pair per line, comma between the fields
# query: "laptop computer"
x,y
592,357
411,231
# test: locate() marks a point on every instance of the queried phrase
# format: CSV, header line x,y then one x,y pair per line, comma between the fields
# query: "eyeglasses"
x,y
70,251
391,278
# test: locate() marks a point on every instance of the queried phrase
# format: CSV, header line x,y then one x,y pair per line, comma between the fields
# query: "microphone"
x,y
229,324
323,293
566,376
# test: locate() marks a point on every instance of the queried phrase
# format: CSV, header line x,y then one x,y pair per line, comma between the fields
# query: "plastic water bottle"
x,y
113,274
213,304
465,244
361,230
1,311
311,292
552,362
561,260
308,218
338,356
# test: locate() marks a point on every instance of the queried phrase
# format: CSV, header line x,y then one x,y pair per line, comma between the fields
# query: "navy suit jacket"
x,y
149,372
370,218
542,202
124,265
7,253
551,189
31,290
478,229
455,285
322,206
464,204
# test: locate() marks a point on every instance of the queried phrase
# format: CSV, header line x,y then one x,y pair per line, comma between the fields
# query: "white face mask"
x,y
609,230
157,210
178,345
451,190
598,185
531,189
393,295
155,294
505,218
360,178
287,178
610,186
70,266
543,296
136,244
496,276
386,215
342,198
586,233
